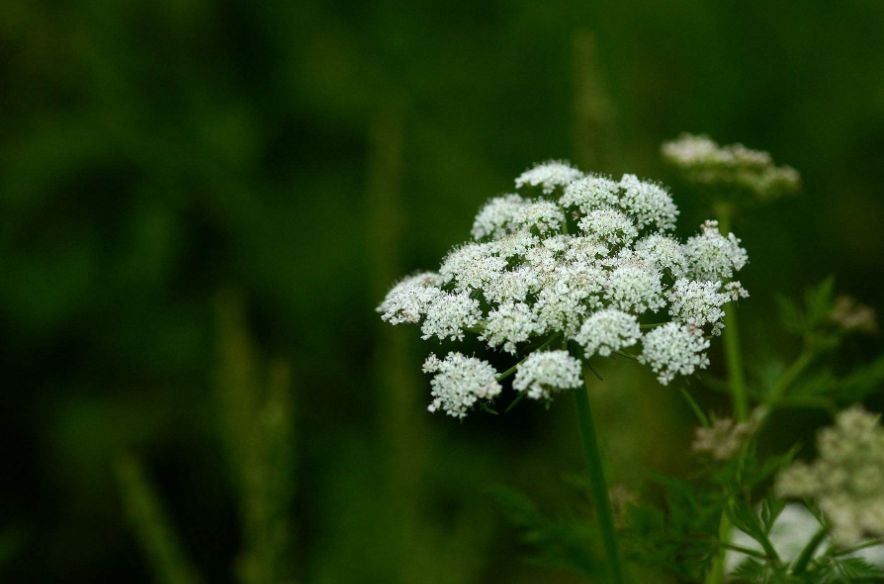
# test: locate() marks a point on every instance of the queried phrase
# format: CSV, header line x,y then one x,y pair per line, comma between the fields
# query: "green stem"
x,y
803,559
540,347
788,377
744,550
732,354
734,361
716,570
597,484
849,550
737,386
695,407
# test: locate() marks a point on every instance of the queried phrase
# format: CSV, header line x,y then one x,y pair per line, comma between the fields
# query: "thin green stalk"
x,y
715,575
737,386
779,388
790,375
540,347
695,407
732,354
734,361
835,552
597,483
744,550
803,559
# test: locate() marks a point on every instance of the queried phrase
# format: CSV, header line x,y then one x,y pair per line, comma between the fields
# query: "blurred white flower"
x,y
704,162
847,480
790,534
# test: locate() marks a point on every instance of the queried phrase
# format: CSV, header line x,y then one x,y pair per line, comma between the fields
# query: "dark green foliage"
x,y
154,530
557,541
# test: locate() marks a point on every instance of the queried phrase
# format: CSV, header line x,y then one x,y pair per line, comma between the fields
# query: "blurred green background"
x,y
202,200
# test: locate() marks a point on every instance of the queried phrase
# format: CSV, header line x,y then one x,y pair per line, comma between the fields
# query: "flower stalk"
x,y
597,483
733,355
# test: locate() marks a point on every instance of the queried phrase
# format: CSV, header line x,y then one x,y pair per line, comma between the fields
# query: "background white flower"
x,y
847,480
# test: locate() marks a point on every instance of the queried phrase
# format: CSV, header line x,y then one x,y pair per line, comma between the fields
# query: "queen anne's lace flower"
x,y
544,372
674,349
648,203
635,288
712,256
847,480
607,331
408,300
459,382
472,266
591,193
509,324
584,262
664,253
548,176
698,304
570,292
512,214
609,226
449,314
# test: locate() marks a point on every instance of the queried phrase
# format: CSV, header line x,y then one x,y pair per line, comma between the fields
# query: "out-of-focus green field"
x,y
202,203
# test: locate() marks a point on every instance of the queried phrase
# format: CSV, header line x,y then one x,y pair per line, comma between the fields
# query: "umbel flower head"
x,y
847,480
703,162
582,263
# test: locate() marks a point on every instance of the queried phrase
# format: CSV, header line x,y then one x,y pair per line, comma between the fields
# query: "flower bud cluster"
x,y
577,257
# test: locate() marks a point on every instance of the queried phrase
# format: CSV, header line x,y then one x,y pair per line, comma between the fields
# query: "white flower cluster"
x,y
583,261
545,371
847,480
704,162
460,382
